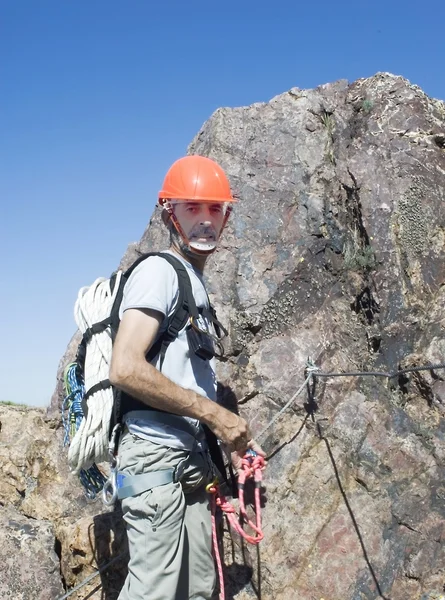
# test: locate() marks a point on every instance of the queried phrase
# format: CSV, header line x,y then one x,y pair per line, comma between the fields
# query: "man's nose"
x,y
205,217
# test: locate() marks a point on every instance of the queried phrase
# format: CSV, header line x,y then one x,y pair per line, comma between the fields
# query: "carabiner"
x,y
212,486
109,491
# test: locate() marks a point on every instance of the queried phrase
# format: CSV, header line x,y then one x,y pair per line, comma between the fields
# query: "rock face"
x,y
336,252
51,535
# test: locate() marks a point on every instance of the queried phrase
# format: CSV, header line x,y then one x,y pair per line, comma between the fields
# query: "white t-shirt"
x,y
154,285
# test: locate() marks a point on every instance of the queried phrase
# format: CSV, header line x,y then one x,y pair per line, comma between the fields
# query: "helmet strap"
x,y
226,218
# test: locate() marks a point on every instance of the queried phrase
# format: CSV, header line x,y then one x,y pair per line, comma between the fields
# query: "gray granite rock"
x,y
335,251
30,567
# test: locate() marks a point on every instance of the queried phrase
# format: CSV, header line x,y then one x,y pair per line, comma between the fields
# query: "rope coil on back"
x,y
90,442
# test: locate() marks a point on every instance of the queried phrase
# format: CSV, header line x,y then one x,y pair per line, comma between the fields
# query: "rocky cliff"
x,y
335,252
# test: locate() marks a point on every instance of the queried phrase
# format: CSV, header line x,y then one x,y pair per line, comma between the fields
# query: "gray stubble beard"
x,y
176,240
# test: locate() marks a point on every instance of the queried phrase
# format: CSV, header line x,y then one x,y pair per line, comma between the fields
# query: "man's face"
x,y
201,222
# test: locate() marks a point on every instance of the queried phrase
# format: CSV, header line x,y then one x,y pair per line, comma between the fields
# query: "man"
x,y
168,526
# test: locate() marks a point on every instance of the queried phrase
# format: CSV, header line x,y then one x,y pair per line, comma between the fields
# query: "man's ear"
x,y
166,218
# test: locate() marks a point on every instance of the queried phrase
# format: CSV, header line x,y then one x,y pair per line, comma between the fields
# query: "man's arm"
x,y
130,372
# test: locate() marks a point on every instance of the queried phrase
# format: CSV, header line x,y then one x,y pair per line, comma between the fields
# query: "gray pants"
x,y
168,527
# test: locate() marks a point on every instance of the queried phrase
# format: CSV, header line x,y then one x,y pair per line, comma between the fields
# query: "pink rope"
x,y
216,548
252,465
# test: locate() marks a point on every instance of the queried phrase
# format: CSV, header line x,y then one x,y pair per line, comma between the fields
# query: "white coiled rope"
x,y
90,443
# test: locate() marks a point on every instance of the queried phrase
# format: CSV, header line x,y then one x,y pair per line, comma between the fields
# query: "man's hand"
x,y
231,429
238,456
234,432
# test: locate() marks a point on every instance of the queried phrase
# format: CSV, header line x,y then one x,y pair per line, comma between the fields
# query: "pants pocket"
x,y
143,507
159,507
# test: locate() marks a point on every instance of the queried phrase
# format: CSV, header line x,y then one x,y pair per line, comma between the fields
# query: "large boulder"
x,y
336,252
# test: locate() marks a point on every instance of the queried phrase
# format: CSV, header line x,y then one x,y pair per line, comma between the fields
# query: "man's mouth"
x,y
203,238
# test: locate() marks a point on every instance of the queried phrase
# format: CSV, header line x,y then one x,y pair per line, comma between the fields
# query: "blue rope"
x,y
92,478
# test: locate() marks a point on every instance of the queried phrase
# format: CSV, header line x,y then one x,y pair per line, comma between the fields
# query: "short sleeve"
x,y
154,285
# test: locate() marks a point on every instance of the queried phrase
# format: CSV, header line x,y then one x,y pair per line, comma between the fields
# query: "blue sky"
x,y
98,98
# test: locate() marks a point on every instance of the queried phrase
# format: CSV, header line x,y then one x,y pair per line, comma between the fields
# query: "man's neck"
x,y
197,261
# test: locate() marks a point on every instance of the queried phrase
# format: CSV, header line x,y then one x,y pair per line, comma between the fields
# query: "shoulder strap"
x,y
138,261
210,313
185,307
114,315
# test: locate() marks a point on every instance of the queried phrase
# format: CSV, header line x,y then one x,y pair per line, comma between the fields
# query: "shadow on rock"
x,y
227,397
111,551
237,577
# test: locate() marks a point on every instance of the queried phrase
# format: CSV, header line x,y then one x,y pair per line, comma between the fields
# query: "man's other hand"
x,y
237,456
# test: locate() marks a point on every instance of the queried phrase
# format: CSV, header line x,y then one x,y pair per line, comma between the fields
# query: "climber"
x,y
170,412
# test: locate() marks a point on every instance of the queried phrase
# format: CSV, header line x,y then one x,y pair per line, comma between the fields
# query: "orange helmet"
x,y
196,178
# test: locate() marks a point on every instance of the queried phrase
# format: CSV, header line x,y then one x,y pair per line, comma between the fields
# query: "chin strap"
x,y
226,218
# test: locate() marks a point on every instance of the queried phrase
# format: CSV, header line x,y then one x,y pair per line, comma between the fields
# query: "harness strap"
x,y
210,313
131,485
216,454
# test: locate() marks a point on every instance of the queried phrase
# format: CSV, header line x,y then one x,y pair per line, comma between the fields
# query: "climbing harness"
x,y
119,486
252,467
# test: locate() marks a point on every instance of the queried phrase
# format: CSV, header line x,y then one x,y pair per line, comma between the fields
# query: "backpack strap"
x,y
181,313
112,320
185,306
